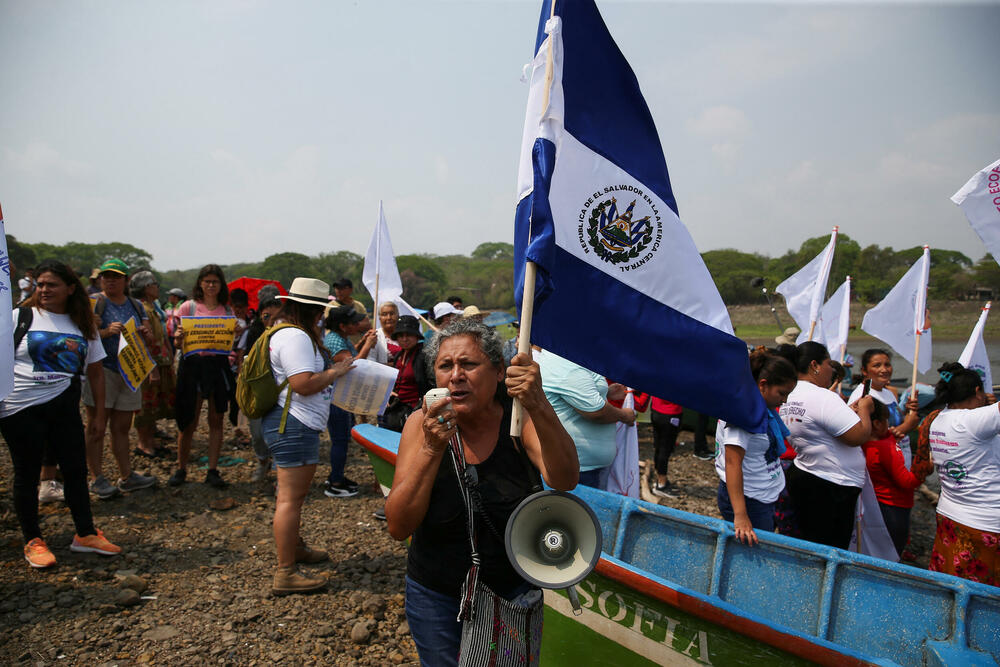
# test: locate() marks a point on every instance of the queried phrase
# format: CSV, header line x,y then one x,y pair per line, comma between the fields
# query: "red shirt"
x,y
406,382
893,483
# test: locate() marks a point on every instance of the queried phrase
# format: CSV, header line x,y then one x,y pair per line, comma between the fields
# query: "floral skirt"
x,y
966,552
157,398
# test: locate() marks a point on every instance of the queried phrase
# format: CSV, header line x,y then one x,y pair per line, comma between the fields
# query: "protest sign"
x,y
134,358
213,335
365,390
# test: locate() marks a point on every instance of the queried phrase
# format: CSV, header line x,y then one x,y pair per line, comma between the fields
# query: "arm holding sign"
x,y
307,384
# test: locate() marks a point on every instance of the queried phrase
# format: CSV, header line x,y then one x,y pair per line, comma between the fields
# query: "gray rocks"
x,y
161,633
360,632
127,597
135,582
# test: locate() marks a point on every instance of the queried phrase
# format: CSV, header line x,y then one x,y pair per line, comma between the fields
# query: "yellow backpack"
x,y
257,390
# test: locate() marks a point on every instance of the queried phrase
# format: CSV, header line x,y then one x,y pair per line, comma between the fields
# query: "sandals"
x,y
141,452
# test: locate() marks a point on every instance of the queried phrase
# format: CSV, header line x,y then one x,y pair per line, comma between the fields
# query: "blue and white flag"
x,y
900,319
980,201
6,321
974,355
621,287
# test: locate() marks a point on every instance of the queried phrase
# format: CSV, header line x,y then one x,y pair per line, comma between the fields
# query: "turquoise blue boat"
x,y
676,588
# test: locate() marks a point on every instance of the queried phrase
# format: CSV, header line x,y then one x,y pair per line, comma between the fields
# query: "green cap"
x,y
116,265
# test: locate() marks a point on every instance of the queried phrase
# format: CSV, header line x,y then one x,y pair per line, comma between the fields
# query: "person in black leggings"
x,y
43,410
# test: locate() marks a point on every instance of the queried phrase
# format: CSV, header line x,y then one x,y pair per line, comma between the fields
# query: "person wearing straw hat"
x,y
788,336
298,356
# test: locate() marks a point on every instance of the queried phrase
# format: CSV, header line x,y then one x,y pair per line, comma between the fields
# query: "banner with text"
x,y
213,335
134,358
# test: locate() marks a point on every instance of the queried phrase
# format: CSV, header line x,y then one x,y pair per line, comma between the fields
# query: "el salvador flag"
x,y
621,287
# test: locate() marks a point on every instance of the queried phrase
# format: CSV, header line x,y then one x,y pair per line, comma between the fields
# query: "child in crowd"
x,y
893,482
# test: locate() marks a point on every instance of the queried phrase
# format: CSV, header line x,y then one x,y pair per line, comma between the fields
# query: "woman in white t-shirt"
x,y
964,440
750,474
826,477
292,436
43,410
876,365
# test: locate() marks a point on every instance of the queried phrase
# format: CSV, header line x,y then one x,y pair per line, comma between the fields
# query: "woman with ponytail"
x,y
964,441
750,474
825,479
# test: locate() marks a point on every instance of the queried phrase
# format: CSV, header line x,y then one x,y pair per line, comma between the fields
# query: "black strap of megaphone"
x,y
466,609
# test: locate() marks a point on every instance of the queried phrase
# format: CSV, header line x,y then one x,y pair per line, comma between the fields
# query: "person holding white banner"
x,y
964,439
876,365
297,356
826,477
57,341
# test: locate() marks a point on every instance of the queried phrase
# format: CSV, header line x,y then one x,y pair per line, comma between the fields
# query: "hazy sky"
x,y
230,130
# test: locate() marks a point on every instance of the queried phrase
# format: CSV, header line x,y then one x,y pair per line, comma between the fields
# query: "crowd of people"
x,y
802,476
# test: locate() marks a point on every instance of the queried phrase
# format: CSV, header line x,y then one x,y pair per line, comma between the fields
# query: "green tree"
x,y
21,255
286,267
493,251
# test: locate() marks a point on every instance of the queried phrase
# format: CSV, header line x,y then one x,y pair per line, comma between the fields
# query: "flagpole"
x,y
530,269
378,257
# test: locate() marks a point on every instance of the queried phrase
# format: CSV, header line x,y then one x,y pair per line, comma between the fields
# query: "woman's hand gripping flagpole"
x,y
524,339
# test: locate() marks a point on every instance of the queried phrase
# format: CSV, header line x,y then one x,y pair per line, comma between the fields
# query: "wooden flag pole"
x,y
524,338
812,328
530,268
916,360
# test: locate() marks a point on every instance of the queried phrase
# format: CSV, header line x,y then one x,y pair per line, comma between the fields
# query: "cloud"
x,y
721,121
40,159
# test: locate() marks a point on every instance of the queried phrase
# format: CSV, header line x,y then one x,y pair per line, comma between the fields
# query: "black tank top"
x,y
439,555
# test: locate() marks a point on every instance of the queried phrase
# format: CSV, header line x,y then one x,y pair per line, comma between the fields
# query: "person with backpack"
x,y
201,376
55,340
303,371
114,308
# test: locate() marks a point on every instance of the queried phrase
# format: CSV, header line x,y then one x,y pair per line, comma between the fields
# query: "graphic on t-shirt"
x,y
55,352
955,470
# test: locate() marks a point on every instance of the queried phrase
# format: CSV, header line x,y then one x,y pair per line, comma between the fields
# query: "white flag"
x,y
623,473
835,320
903,312
974,355
380,275
870,534
6,321
980,201
805,290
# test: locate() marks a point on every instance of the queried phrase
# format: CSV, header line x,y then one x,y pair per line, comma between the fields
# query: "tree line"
x,y
486,276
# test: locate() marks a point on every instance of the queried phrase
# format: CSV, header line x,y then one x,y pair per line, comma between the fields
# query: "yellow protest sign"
x,y
208,334
134,358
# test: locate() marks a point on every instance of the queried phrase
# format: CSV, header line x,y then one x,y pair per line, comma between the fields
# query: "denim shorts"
x,y
298,446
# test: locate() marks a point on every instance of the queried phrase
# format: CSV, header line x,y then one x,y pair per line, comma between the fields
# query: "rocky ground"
x,y
192,586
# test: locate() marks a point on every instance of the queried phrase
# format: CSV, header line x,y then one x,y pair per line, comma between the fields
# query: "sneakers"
x,y
380,514
94,544
135,481
342,489
178,478
214,480
667,490
304,554
37,553
103,489
288,581
704,454
50,491
260,472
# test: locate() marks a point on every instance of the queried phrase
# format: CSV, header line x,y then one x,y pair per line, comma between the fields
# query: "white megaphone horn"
x,y
553,540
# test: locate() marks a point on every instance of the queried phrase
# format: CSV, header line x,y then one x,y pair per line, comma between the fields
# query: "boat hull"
x,y
676,588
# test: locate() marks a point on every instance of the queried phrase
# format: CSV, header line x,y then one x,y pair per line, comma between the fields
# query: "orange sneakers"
x,y
37,553
94,544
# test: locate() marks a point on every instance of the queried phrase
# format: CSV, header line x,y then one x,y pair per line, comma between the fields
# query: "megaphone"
x,y
553,540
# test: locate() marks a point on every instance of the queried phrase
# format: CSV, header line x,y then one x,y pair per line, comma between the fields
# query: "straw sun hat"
x,y
309,290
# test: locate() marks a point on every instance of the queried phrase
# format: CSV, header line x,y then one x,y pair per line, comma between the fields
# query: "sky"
x,y
231,130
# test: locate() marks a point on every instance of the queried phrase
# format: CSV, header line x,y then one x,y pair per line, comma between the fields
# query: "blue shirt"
x,y
570,388
335,343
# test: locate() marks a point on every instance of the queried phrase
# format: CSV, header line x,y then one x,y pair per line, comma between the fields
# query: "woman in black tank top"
x,y
425,502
